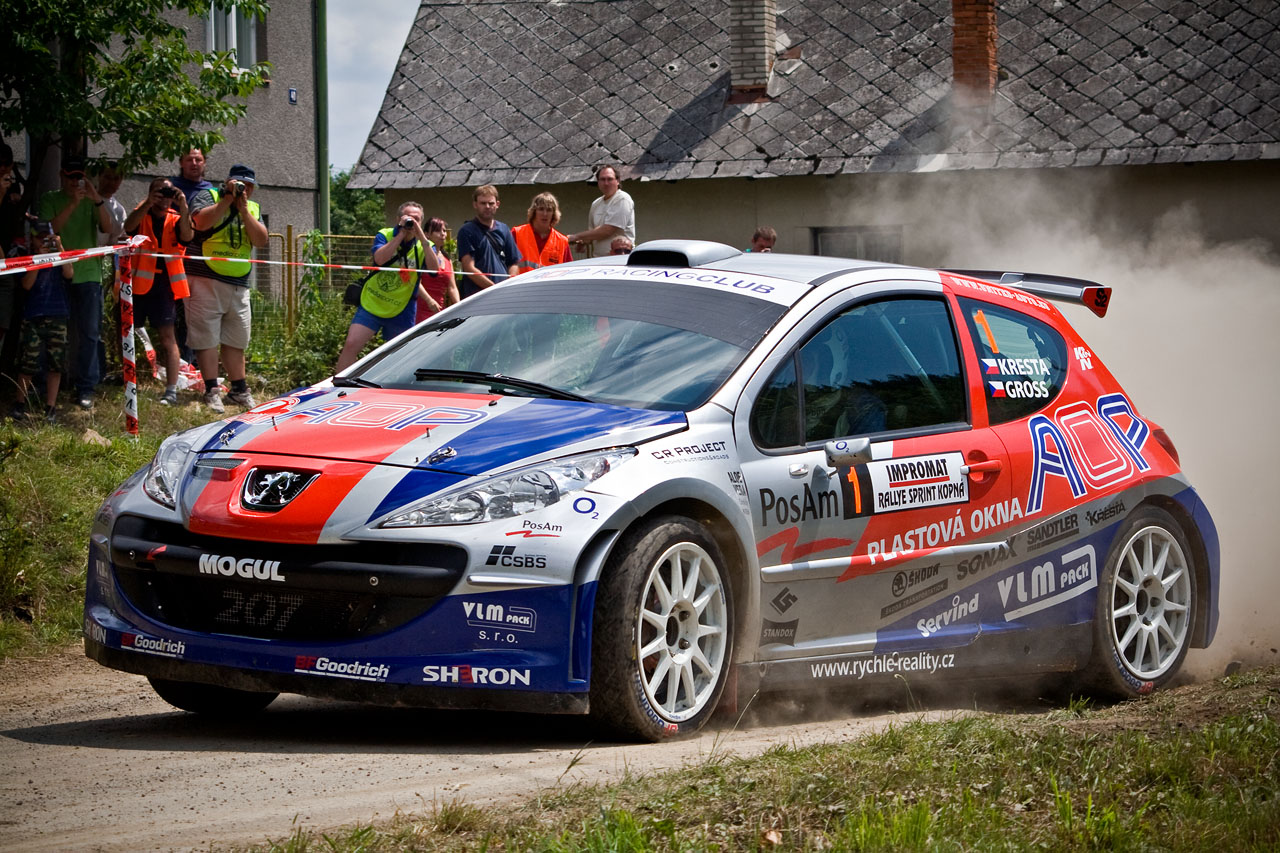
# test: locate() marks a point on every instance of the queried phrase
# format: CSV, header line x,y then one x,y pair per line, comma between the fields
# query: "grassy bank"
x,y
1193,769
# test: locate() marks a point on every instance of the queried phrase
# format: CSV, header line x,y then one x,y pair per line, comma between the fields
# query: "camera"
x,y
168,192
80,183
407,223
237,187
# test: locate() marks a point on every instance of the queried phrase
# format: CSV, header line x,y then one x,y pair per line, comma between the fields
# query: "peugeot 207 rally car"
x,y
641,486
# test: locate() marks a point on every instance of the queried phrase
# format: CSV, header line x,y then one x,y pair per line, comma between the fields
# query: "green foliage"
x,y
74,71
308,355
353,211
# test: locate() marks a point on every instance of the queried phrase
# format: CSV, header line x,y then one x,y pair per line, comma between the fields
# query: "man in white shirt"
x,y
612,215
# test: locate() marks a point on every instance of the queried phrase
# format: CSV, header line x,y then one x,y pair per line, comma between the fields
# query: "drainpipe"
x,y
321,49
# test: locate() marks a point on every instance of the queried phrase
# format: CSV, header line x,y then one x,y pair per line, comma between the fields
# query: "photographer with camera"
x,y
388,299
44,325
163,216
228,226
78,214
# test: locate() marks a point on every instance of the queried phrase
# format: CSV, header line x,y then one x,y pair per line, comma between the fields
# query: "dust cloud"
x,y
1193,336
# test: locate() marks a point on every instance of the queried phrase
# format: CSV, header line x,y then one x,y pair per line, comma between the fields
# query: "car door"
x,y
865,474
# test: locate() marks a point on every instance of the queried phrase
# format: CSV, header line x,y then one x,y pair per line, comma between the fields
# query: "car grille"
x,y
291,592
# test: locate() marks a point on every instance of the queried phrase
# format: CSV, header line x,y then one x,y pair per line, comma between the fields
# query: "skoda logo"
x,y
269,489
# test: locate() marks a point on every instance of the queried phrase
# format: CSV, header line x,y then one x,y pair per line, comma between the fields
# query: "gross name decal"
x,y
912,482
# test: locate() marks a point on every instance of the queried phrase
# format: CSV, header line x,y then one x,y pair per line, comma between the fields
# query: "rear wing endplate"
x,y
1090,294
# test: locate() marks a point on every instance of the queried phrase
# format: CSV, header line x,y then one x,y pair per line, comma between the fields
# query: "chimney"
x,y
752,47
973,52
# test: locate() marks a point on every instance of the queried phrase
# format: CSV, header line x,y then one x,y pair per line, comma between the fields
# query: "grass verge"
x,y
1193,769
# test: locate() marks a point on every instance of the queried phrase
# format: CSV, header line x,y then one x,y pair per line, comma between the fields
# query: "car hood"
x,y
462,434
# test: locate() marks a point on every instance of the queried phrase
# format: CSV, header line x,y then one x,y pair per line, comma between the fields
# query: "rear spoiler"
x,y
1090,294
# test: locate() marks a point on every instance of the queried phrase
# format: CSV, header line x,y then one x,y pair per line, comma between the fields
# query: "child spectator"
x,y
44,322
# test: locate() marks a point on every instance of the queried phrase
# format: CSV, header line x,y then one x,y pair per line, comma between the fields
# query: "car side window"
x,y
1023,361
880,366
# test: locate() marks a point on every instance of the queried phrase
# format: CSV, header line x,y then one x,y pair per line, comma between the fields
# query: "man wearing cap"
x,y
228,226
79,213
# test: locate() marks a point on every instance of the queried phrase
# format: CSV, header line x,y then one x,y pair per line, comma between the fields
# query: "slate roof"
x,y
516,92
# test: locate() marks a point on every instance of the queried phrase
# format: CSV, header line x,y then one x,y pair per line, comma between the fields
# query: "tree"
x,y
353,211
73,73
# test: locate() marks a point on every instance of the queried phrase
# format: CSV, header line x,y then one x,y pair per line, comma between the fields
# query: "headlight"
x,y
514,493
161,482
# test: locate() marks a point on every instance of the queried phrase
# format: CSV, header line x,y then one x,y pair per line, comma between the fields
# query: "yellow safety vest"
x,y
229,244
387,293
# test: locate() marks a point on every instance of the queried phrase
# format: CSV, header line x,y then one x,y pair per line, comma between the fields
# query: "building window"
x,y
865,242
233,30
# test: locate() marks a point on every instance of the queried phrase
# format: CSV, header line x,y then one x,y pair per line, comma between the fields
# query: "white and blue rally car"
x,y
642,487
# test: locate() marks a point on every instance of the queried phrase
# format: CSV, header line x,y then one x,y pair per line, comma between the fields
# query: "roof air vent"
x,y
679,253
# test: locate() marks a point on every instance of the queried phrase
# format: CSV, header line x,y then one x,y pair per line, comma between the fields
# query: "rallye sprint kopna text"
x,y
640,487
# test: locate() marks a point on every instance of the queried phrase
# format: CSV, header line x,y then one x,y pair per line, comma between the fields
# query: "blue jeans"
x,y
86,322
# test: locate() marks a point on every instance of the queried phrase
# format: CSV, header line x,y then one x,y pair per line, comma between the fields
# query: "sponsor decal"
x,y
1111,510
1084,358
739,485
506,616
95,632
894,485
930,535
364,414
538,530
905,580
357,670
100,570
1091,447
958,610
782,601
482,676
247,567
886,664
153,645
914,598
780,633
1053,530
506,556
792,549
984,562
691,452
1016,366
996,290
1048,584
808,505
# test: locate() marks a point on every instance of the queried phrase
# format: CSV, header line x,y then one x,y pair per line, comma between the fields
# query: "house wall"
x,y
958,218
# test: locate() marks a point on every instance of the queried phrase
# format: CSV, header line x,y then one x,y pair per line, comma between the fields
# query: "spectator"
x,y
441,286
190,178
763,239
79,214
540,244
108,186
44,325
164,217
612,215
387,301
228,226
621,246
12,220
486,248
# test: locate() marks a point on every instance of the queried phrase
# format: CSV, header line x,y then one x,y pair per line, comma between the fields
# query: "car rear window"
x,y
1023,361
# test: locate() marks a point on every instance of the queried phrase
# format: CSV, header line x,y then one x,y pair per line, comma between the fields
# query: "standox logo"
x,y
248,568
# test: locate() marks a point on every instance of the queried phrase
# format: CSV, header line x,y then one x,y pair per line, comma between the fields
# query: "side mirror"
x,y
847,452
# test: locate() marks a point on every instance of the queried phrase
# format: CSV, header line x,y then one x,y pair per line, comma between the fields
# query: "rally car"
x,y
644,487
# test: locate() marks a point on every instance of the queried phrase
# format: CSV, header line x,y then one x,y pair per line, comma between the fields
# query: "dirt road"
x,y
91,759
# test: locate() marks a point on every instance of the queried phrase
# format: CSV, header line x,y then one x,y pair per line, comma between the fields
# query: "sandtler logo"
x,y
153,645
355,669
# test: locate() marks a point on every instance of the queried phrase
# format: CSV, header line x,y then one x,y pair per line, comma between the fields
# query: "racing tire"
x,y
663,632
210,699
1146,607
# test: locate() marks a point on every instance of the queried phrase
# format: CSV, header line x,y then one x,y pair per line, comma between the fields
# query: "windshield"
x,y
580,339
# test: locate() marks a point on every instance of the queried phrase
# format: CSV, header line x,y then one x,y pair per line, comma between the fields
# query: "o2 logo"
x,y
585,506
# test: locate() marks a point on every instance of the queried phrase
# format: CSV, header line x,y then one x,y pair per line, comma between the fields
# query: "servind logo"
x,y
353,669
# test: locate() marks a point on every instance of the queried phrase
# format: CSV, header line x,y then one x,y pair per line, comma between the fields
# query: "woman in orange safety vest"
x,y
540,244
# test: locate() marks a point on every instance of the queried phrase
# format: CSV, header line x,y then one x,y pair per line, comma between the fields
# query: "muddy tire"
x,y
663,632
210,699
1146,607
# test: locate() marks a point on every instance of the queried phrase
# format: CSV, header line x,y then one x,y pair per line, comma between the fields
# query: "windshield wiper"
x,y
353,382
495,380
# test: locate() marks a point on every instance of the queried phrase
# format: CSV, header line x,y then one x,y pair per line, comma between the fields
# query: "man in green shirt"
x,y
78,214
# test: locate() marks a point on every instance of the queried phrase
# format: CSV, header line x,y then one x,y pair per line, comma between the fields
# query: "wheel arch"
x,y
1200,629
